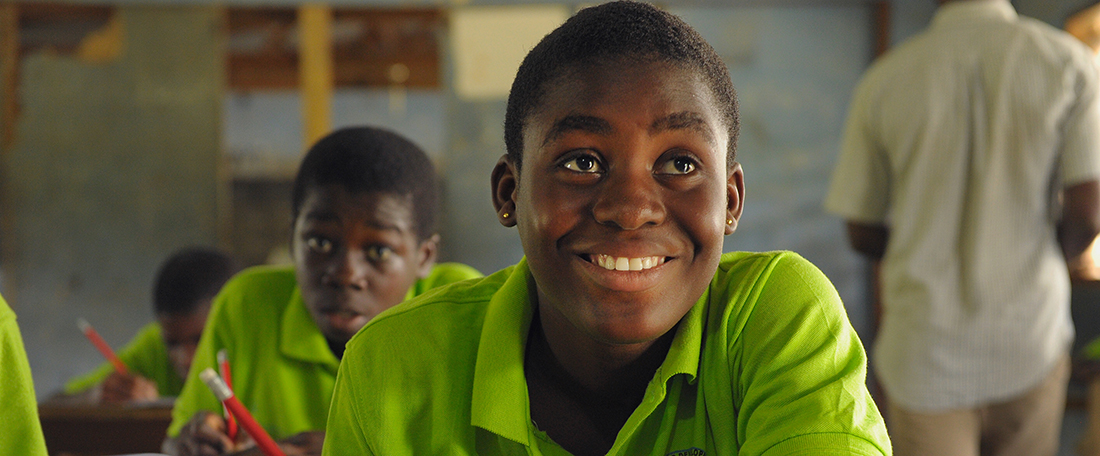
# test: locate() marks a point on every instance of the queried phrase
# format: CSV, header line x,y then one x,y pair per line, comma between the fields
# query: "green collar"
x,y
300,338
500,404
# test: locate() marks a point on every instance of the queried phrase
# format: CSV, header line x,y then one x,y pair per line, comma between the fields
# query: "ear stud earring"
x,y
505,215
729,222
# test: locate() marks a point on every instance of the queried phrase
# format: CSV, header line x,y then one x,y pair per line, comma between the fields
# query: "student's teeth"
x,y
622,264
626,264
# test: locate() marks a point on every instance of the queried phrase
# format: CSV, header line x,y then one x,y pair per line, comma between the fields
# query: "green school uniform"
x,y
146,355
766,362
281,366
20,430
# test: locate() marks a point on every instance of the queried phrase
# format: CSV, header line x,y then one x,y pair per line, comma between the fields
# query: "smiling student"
x,y
364,205
624,330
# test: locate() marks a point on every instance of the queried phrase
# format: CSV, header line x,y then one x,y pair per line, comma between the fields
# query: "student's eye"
x,y
319,244
677,165
379,253
583,164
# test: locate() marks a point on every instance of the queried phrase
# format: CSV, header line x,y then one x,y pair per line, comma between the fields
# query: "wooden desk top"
x,y
106,429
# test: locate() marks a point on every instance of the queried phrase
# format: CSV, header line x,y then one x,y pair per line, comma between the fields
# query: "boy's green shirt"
x,y
145,354
282,368
766,362
20,430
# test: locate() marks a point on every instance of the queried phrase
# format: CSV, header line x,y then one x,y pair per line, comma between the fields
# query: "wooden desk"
x,y
104,430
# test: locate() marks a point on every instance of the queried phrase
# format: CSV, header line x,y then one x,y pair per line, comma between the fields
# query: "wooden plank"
x,y
315,70
366,44
880,28
103,430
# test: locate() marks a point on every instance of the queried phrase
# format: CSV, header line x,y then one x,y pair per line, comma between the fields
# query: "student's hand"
x,y
302,444
118,388
203,435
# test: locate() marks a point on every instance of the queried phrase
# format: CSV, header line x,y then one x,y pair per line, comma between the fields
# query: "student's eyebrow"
x,y
324,216
570,123
684,120
321,215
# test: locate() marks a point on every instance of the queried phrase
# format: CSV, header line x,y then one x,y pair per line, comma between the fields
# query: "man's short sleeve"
x,y
860,186
1081,144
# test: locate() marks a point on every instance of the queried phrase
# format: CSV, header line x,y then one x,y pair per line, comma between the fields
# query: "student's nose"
x,y
348,270
630,199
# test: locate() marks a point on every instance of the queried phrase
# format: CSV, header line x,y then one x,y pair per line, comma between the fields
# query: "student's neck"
x,y
337,348
602,367
581,396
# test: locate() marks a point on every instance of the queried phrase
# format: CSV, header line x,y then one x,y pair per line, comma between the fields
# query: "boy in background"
x,y
160,355
364,239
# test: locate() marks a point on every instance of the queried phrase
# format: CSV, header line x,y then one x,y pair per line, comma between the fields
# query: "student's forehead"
x,y
567,90
335,201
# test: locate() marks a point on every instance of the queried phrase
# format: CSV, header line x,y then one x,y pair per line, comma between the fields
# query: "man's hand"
x,y
117,388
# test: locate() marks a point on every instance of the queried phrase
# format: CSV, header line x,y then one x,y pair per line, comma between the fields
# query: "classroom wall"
x,y
115,165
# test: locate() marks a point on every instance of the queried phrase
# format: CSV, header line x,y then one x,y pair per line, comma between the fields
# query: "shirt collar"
x,y
499,402
300,338
500,388
967,12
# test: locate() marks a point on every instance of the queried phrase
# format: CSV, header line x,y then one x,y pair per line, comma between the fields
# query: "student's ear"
x,y
428,249
504,184
735,197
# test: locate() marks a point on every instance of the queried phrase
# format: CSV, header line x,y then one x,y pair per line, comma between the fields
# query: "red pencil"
x,y
224,394
223,366
99,343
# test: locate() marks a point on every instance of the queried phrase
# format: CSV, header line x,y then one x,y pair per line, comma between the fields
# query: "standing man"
x,y
969,167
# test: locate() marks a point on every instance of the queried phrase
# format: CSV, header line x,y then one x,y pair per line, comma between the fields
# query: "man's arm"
x,y
869,239
1080,218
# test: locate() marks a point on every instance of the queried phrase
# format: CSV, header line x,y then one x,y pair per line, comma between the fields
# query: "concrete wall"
x,y
115,166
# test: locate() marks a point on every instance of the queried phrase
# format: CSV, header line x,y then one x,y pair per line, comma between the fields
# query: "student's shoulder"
x,y
5,311
443,273
150,332
742,264
255,289
744,275
264,278
436,311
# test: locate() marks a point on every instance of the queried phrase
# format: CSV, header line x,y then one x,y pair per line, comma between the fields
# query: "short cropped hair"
x,y
368,159
623,31
190,277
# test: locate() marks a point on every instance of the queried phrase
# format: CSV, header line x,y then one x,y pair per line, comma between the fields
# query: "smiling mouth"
x,y
625,264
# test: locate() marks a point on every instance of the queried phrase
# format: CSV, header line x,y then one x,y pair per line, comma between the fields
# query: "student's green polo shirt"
x,y
282,368
765,363
147,355
20,430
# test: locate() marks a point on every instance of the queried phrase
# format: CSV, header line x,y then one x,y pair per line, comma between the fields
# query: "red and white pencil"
x,y
223,366
101,344
224,394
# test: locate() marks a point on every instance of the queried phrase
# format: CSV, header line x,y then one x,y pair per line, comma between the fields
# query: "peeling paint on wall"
x,y
114,167
104,45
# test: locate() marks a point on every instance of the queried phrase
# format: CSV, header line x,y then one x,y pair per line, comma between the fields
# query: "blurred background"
x,y
132,128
